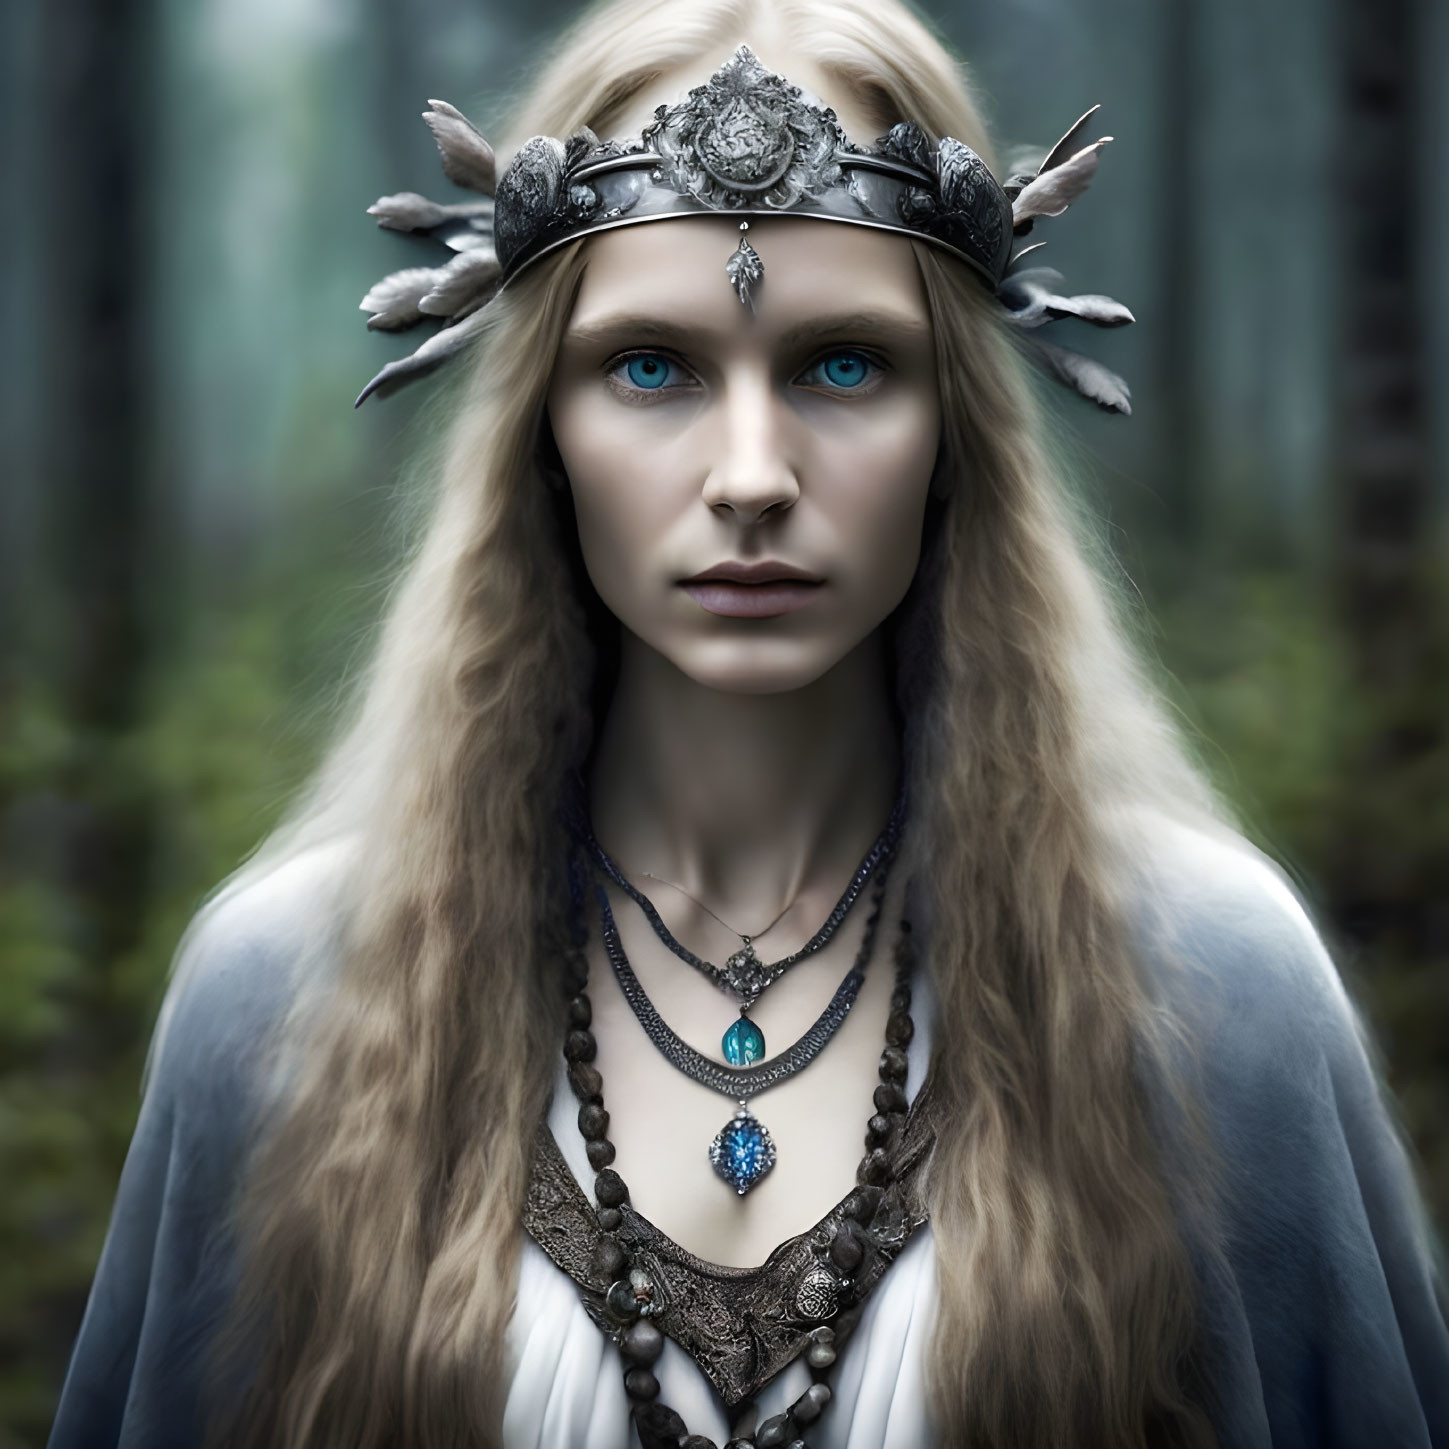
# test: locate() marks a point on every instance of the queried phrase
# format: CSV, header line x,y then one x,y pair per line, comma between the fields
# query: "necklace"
x,y
743,1151
649,875
870,1227
743,973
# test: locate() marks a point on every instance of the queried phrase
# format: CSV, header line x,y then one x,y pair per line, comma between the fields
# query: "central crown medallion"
x,y
747,137
747,148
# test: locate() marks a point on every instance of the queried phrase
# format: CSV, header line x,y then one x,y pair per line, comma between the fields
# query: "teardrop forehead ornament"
x,y
751,144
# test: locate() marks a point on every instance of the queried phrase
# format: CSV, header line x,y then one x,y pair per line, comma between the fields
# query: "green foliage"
x,y
232,722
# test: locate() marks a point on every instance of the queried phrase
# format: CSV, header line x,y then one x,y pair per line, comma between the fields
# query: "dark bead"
x,y
845,1251
820,1355
894,1064
581,1013
642,1344
580,1046
861,1205
697,1441
901,998
588,1085
809,1406
594,1121
608,1259
659,1426
601,1154
620,1300
609,1218
878,1130
888,1098
774,1433
640,1384
874,1170
609,1188
576,973
899,1029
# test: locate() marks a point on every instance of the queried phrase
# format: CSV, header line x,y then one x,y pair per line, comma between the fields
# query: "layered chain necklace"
x,y
744,974
742,1151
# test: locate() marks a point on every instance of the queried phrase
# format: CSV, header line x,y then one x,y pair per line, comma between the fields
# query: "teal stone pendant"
x,y
743,1044
743,1151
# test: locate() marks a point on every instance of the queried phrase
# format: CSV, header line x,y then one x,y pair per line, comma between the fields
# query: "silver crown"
x,y
750,144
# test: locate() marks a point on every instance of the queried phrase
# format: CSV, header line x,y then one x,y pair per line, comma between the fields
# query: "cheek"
x,y
878,478
614,474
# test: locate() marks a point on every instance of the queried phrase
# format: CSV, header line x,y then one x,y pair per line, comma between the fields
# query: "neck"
x,y
745,800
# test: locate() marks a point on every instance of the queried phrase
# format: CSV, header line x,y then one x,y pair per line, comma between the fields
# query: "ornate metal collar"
x,y
742,1326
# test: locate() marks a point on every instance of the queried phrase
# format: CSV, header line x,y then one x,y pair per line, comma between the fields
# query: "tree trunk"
x,y
1389,865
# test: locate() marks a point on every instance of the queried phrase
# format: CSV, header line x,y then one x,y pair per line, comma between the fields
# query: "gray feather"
x,y
394,300
1091,379
467,157
465,283
433,353
1032,301
407,211
463,236
1064,147
1017,256
1055,190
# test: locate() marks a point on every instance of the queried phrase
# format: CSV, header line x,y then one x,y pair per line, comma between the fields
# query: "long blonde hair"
x,y
380,1226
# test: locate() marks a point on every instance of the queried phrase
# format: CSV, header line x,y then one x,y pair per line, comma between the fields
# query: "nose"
x,y
752,473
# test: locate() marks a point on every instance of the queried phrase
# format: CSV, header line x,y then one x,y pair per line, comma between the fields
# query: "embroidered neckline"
x,y
742,1326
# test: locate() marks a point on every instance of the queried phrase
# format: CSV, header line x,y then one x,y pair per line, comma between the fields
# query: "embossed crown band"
x,y
751,144
748,144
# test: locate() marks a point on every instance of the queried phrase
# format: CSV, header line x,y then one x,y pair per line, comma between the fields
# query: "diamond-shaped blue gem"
x,y
743,1044
743,1152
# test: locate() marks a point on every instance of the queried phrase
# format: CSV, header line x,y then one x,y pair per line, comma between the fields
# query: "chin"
x,y
757,666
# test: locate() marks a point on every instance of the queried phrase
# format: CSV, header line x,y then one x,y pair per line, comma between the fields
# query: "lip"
x,y
751,601
764,571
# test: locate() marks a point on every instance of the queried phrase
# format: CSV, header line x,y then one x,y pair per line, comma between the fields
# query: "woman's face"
x,y
792,446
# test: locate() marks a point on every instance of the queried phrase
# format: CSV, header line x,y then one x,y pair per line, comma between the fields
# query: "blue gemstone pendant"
x,y
743,1152
743,1044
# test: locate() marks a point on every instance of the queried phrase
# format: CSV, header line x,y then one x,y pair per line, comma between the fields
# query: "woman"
x,y
750,602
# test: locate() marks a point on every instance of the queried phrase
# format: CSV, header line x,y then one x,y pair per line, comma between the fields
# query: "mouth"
x,y
763,571
752,591
751,601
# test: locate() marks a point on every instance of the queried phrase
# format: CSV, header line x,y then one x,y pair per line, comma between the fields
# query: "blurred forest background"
x,y
196,530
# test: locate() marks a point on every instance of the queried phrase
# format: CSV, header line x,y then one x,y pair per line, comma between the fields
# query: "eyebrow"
x,y
646,328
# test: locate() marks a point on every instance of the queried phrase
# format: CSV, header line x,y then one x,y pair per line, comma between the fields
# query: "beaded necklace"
x,y
871,1225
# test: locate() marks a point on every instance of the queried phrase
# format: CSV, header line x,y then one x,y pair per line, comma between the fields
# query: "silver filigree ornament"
x,y
745,269
750,143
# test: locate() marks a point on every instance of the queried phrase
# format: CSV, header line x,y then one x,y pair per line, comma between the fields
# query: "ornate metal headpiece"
x,y
747,143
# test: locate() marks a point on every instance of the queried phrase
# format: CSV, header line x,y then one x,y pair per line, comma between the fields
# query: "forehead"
x,y
675,268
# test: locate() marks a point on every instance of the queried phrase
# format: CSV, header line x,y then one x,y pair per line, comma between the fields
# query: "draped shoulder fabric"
x,y
1322,1307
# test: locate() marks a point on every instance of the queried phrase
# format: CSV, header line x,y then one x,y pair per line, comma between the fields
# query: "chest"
x,y
662,1121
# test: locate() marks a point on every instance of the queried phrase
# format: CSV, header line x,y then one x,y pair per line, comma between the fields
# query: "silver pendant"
x,y
743,1151
745,269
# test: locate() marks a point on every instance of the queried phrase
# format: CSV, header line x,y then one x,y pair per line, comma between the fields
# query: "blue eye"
x,y
846,370
648,370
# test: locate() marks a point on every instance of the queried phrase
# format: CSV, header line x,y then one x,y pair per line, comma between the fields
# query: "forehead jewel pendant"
x,y
745,269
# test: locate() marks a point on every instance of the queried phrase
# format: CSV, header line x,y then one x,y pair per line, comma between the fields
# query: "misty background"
x,y
197,530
